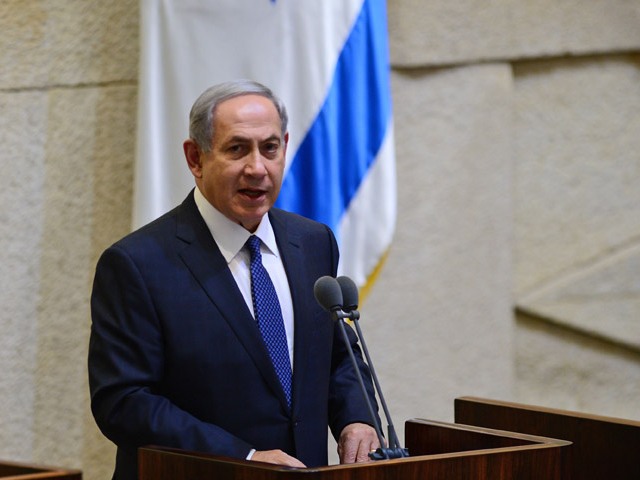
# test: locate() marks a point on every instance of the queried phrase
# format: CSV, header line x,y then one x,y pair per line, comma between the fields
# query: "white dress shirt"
x,y
230,238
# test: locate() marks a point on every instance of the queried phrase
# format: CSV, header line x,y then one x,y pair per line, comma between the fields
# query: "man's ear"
x,y
192,155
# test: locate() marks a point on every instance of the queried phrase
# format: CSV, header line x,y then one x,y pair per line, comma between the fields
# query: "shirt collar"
x,y
230,236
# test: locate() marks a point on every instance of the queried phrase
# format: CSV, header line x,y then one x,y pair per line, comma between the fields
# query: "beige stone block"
x,y
23,55
559,368
439,317
66,177
601,300
87,205
577,170
22,161
444,32
63,306
67,42
577,166
573,27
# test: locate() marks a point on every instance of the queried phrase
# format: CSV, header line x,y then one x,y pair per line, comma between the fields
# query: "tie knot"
x,y
253,244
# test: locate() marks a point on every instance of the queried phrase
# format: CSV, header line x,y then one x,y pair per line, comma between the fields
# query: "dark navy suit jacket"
x,y
176,358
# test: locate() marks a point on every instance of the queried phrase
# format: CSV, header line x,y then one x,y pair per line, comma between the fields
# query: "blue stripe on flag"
x,y
348,132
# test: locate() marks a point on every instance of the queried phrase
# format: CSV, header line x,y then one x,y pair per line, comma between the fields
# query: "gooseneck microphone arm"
x,y
391,431
340,297
350,305
329,296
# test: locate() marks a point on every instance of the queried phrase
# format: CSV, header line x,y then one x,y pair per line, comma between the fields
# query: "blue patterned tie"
x,y
269,316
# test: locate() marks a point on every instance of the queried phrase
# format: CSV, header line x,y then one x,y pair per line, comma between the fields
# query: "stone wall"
x,y
518,158
68,88
517,153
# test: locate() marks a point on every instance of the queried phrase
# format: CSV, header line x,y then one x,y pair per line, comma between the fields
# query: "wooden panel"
x,y
501,457
498,454
18,471
432,438
603,447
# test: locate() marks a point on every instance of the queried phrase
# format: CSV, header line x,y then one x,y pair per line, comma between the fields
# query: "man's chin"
x,y
251,222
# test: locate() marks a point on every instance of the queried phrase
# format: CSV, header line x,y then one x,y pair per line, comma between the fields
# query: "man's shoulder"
x,y
296,222
159,227
159,231
310,235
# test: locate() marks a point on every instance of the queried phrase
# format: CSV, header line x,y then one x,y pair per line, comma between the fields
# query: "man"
x,y
176,357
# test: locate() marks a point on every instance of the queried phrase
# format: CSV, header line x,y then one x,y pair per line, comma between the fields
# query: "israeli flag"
x,y
327,60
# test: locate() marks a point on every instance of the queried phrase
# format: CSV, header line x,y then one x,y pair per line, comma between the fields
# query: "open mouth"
x,y
253,193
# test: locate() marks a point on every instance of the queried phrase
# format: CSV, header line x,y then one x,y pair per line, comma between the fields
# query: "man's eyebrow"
x,y
242,139
237,138
273,137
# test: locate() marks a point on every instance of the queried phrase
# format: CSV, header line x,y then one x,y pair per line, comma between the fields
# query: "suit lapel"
x,y
202,257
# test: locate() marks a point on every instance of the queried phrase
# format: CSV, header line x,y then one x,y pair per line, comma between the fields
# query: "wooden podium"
x,y
440,451
20,471
603,447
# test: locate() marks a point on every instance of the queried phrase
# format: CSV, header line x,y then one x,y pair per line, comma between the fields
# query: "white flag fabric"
x,y
327,60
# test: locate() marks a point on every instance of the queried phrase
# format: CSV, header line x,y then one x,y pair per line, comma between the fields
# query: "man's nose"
x,y
255,163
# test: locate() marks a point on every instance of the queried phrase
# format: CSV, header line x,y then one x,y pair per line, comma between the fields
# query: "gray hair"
x,y
203,109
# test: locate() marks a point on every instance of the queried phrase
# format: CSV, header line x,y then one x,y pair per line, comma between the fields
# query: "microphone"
x,y
349,292
328,294
340,297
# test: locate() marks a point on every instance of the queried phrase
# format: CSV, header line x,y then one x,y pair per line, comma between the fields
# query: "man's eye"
x,y
235,149
271,148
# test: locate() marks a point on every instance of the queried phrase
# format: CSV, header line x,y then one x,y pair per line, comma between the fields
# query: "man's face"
x,y
242,174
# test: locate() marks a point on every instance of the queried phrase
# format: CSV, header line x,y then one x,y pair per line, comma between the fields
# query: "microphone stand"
x,y
339,317
394,450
